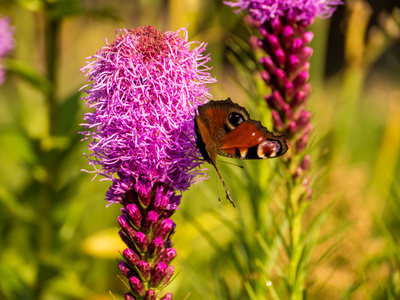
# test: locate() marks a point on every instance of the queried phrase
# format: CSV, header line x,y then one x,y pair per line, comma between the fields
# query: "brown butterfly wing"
x,y
210,125
251,140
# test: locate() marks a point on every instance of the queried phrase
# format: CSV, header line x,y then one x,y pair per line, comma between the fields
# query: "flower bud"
x,y
129,296
150,222
125,239
167,256
137,286
155,247
165,227
158,273
307,37
126,227
150,295
301,79
170,273
141,241
167,296
296,46
287,36
131,257
135,215
125,269
144,269
280,57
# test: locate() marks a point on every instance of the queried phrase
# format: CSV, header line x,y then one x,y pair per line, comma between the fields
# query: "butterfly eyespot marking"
x,y
235,119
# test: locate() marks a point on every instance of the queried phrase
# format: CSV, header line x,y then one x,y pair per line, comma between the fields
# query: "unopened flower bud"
x,y
141,241
150,295
144,269
135,215
137,286
155,247
158,273
164,228
131,256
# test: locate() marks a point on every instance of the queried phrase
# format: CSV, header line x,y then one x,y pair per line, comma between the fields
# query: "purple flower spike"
x,y
7,43
283,25
145,88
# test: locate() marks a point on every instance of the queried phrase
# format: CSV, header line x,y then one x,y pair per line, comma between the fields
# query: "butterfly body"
x,y
225,128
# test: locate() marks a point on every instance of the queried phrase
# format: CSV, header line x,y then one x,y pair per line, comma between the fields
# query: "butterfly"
x,y
225,128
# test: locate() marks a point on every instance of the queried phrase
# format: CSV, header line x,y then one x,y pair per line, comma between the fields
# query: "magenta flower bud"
x,y
125,269
134,213
144,193
289,90
307,37
278,124
129,296
298,99
276,26
158,273
287,36
263,31
164,229
141,241
144,269
301,143
278,101
170,273
293,63
155,247
161,200
306,52
131,257
301,79
167,256
273,43
303,120
150,222
167,296
280,57
137,286
268,64
292,126
126,227
280,77
306,162
297,45
150,295
125,239
265,76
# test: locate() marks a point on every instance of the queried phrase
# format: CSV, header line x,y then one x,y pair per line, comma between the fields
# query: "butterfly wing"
x,y
251,140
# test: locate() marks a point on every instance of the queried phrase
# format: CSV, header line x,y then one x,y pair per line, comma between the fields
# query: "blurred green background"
x,y
59,241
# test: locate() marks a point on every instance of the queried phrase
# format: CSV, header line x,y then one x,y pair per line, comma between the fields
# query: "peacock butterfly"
x,y
225,128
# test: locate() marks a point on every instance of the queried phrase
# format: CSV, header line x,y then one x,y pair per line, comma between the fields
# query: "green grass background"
x,y
59,241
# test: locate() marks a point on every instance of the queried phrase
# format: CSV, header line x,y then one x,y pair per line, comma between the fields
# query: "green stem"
x,y
48,188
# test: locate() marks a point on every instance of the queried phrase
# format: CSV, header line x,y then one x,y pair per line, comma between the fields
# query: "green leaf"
x,y
29,74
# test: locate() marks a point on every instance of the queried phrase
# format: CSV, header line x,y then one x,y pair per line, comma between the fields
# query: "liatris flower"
x,y
146,85
7,42
284,37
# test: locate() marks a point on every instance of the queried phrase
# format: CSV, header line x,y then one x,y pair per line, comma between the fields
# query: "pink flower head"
x,y
7,42
303,10
146,86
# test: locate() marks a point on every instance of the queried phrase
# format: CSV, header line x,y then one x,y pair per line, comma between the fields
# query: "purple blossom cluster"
x,y
146,86
283,26
7,42
304,10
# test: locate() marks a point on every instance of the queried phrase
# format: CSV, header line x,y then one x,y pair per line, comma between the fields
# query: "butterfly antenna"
x,y
228,196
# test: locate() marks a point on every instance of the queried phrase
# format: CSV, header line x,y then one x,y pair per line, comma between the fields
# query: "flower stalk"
x,y
284,38
146,85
